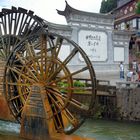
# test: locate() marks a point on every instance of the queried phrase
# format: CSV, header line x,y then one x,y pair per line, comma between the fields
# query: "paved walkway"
x,y
112,78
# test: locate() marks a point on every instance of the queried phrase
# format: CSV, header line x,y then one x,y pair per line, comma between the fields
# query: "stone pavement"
x,y
111,77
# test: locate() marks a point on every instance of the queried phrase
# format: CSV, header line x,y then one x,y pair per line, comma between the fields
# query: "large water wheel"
x,y
41,85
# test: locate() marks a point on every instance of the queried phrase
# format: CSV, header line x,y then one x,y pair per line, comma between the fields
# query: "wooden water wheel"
x,y
40,79
16,24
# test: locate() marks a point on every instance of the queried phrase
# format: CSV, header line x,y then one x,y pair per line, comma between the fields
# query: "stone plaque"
x,y
94,43
118,54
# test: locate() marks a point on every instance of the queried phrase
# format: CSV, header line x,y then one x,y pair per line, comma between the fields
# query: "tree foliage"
x,y
108,5
138,8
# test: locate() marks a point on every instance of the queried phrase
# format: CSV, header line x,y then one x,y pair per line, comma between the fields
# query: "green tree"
x,y
138,8
108,5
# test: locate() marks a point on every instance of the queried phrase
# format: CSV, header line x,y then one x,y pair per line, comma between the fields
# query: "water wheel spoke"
x,y
65,98
54,51
58,46
64,111
59,68
21,24
71,100
58,107
13,75
21,74
56,110
47,66
28,67
58,95
17,17
45,58
2,54
29,50
26,25
79,104
19,112
19,84
54,48
52,69
55,72
67,113
8,45
79,71
4,24
43,52
34,76
8,26
70,56
19,66
33,58
1,28
47,70
2,47
11,16
35,26
55,101
73,120
38,66
18,96
76,103
2,41
59,79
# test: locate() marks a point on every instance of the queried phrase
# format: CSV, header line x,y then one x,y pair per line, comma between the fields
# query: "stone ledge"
x,y
127,84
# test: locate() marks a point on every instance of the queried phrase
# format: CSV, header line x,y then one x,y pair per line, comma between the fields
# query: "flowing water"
x,y
99,129
110,130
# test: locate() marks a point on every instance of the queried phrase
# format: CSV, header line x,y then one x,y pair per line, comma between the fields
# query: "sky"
x,y
46,9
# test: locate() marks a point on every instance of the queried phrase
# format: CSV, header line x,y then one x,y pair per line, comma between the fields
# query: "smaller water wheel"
x,y
39,82
16,24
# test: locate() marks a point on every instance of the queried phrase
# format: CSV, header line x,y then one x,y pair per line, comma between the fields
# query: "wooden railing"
x,y
103,87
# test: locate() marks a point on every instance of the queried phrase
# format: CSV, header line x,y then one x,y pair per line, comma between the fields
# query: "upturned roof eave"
x,y
68,9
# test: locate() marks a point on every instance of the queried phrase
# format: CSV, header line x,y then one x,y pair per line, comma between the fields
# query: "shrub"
x,y
76,84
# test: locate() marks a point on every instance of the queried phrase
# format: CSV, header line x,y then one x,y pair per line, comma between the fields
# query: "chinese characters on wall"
x,y
94,44
93,41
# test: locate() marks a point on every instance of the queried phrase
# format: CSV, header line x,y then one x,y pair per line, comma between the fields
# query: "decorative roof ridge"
x,y
51,24
68,9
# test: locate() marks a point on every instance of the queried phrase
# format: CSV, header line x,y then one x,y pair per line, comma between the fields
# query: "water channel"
x,y
99,129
